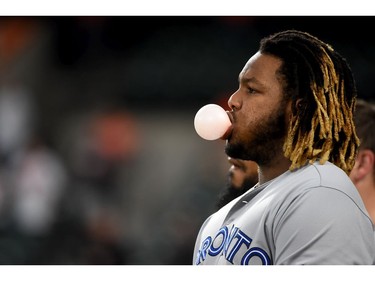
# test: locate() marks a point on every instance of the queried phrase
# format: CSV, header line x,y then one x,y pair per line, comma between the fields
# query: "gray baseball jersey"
x,y
313,215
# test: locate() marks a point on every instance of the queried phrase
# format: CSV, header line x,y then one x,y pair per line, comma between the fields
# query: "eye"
x,y
251,90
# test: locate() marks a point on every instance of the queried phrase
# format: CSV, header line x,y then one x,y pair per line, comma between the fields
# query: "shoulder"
x,y
333,178
320,185
325,175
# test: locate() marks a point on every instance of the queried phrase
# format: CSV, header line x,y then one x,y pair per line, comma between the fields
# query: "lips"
x,y
230,115
228,133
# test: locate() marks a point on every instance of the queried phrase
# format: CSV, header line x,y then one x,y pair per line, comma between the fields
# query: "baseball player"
x,y
293,115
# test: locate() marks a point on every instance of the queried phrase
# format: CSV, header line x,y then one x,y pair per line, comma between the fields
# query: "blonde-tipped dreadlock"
x,y
320,83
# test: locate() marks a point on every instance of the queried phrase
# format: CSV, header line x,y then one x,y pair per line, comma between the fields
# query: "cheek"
x,y
242,133
248,123
252,171
238,178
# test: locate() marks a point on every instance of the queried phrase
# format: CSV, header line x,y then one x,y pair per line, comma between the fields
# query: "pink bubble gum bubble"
x,y
211,122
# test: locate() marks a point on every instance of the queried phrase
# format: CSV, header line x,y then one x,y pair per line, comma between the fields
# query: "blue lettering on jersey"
x,y
234,240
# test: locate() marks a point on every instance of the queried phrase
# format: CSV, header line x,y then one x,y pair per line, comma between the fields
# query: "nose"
x,y
234,102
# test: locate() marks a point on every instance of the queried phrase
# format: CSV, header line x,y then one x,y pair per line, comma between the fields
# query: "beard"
x,y
231,192
267,139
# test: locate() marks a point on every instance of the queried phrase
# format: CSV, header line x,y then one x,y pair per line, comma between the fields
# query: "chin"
x,y
234,151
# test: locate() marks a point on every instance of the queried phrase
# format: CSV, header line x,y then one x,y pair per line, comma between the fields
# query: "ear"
x,y
298,106
299,103
364,165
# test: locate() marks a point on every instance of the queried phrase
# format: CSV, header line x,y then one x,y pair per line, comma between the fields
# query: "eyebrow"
x,y
254,80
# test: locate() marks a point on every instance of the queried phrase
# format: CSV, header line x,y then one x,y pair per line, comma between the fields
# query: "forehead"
x,y
261,67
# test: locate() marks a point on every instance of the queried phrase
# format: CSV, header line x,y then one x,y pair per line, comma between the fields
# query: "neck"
x,y
272,170
366,188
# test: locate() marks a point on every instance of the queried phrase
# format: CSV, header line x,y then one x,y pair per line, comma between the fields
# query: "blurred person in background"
x,y
363,173
242,175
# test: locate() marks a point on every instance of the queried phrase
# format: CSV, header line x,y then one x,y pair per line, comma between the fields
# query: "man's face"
x,y
259,112
242,176
242,171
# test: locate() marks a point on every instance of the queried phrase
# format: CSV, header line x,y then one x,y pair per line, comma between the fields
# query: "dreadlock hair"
x,y
322,88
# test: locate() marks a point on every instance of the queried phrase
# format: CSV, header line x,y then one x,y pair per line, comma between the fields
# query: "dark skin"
x,y
260,116
241,171
242,175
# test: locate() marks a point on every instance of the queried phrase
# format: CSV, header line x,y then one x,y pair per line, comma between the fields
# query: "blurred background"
x,y
99,159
